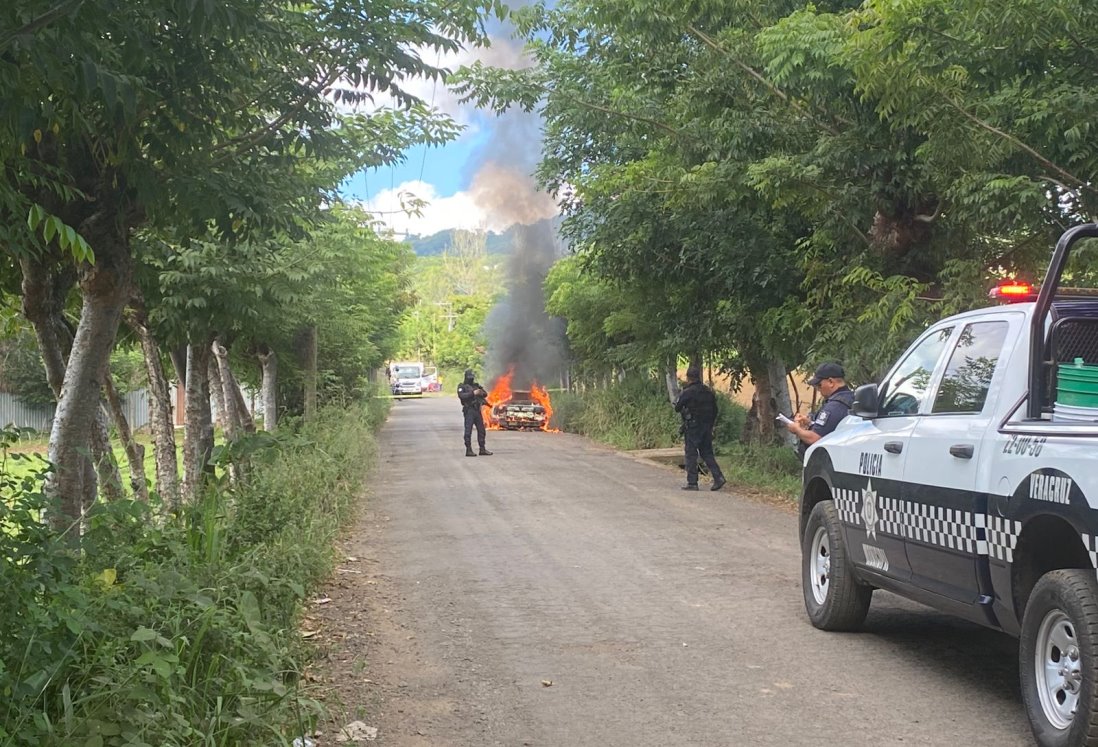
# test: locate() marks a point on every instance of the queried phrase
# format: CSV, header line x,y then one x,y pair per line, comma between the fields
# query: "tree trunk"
x,y
44,291
198,431
178,354
217,392
268,359
247,422
779,385
759,426
106,467
105,290
309,355
226,397
244,422
671,379
135,452
160,411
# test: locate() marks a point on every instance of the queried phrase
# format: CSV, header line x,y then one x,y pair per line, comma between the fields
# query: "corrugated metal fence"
x,y
40,417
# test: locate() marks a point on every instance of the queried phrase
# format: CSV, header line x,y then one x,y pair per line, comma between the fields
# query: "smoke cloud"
x,y
520,334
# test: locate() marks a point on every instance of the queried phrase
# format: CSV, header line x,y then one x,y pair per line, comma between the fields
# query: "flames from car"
x,y
502,393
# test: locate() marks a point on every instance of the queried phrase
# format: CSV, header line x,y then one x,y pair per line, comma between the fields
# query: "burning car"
x,y
517,409
519,412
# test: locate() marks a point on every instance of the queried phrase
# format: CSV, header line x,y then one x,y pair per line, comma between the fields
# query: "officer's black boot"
x,y
469,451
485,452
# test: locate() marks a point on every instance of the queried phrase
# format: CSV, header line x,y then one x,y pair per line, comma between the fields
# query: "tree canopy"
x,y
788,183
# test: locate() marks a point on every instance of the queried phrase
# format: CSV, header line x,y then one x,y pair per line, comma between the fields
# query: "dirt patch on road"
x,y
368,661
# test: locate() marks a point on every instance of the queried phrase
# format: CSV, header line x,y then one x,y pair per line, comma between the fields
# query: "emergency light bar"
x,y
1017,291
1013,291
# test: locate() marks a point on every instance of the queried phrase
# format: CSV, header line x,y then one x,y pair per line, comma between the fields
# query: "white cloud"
x,y
503,52
459,210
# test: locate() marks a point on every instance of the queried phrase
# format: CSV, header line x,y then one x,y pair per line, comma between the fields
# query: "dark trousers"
x,y
473,416
700,443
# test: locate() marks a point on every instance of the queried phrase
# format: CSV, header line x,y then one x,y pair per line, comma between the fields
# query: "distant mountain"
x,y
496,243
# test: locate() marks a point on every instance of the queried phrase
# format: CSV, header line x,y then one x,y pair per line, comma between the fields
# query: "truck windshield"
x,y
407,372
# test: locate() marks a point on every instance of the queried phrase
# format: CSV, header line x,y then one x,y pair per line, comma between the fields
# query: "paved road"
x,y
660,617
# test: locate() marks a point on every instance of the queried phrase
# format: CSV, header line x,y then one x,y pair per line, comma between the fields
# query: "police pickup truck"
x,y
962,482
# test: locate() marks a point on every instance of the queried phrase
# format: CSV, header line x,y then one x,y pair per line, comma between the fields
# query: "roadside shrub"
x,y
567,411
772,468
636,414
633,414
731,417
182,630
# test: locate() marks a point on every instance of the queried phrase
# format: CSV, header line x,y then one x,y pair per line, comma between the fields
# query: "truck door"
x,y
944,497
869,483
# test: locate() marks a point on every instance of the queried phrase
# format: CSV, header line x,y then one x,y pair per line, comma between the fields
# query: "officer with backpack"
x,y
830,381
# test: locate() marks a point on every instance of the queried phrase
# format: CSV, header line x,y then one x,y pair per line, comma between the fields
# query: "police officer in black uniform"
x,y
698,406
473,398
830,380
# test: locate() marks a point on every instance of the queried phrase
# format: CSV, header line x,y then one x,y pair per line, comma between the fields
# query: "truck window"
x,y
906,388
970,369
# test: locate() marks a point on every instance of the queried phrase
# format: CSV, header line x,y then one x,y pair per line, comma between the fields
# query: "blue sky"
x,y
457,180
449,168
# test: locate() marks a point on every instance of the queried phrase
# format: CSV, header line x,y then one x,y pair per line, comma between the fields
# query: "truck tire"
x,y
1058,659
833,597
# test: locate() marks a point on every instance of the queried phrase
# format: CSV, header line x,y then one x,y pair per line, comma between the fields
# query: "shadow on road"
x,y
981,659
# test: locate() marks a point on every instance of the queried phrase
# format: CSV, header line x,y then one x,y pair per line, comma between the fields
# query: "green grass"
x,y
179,628
773,469
635,414
32,450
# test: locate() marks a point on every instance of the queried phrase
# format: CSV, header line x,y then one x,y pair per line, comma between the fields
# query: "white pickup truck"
x,y
957,482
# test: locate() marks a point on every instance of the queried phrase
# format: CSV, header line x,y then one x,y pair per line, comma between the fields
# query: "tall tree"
x,y
180,115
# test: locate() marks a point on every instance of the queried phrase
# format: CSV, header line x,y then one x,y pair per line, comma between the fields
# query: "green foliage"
x,y
23,372
731,417
635,414
568,410
775,469
801,182
128,369
453,294
181,631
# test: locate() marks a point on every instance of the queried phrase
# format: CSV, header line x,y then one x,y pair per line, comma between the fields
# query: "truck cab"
x,y
963,481
406,378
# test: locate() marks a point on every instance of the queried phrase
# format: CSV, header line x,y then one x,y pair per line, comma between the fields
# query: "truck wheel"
x,y
834,599
1058,658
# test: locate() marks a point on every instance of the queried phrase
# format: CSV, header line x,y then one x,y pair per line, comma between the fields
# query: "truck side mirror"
x,y
866,403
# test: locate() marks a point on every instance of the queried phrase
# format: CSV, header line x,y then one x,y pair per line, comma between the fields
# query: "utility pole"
x,y
449,316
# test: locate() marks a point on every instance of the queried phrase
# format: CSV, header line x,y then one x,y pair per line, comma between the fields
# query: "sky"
x,y
460,180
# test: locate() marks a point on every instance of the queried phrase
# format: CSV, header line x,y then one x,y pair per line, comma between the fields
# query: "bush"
x,y
772,468
176,631
731,417
567,411
635,414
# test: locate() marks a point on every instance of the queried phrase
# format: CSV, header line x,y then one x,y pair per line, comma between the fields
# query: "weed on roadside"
x,y
179,630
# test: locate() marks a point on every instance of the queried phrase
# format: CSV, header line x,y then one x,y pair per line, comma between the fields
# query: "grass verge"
x,y
178,631
635,414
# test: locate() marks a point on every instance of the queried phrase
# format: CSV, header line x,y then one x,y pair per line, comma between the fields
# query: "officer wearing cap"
x,y
698,406
830,380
